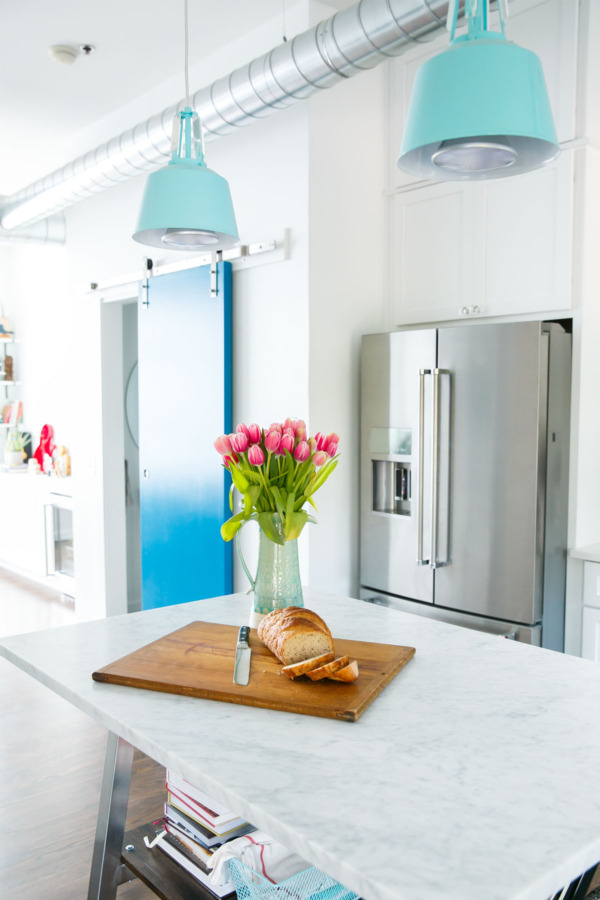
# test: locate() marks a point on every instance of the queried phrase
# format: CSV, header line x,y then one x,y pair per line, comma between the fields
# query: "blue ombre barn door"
x,y
184,404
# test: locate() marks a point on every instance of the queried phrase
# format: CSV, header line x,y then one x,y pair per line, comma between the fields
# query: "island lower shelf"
x,y
158,871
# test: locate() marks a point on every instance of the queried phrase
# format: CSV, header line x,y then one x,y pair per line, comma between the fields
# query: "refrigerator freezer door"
x,y
512,631
396,404
497,441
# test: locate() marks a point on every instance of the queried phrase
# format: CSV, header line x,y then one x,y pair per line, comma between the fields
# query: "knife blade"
x,y
241,669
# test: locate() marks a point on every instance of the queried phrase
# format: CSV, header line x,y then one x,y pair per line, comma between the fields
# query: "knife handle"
x,y
243,635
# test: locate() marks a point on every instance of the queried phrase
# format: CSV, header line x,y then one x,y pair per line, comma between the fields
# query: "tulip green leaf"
x,y
297,522
230,528
272,526
251,498
239,480
278,500
289,514
312,503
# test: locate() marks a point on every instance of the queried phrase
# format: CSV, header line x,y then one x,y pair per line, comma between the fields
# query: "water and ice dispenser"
x,y
392,488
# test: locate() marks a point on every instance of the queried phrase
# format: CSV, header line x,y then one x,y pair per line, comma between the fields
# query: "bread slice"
x,y
301,668
329,668
349,673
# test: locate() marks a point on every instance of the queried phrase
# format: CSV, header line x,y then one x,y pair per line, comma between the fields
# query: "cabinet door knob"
x,y
146,473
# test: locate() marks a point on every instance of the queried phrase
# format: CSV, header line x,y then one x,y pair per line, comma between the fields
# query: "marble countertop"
x,y
591,552
473,775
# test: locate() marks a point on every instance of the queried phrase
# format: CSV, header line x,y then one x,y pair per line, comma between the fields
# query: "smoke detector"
x,y
65,55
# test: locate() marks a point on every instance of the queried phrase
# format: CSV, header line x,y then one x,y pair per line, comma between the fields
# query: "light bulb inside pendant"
x,y
188,238
481,154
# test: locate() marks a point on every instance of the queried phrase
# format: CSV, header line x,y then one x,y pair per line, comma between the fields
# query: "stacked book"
x,y
196,826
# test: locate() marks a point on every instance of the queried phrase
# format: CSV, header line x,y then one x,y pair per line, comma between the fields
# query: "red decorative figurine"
x,y
45,447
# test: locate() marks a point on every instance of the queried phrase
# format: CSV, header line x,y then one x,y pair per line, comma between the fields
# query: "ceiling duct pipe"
x,y
352,41
52,230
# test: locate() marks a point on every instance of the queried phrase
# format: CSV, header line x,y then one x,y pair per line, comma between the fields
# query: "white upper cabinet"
x,y
528,226
547,27
502,247
436,252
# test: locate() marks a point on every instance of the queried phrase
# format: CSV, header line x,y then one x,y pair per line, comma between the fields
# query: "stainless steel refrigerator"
x,y
464,475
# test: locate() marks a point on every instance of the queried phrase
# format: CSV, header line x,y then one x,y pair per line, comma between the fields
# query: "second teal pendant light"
x,y
479,109
187,206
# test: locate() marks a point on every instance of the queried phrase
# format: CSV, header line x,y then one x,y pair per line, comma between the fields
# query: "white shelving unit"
x,y
9,392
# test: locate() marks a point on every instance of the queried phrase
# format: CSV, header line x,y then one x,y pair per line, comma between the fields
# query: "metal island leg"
x,y
107,870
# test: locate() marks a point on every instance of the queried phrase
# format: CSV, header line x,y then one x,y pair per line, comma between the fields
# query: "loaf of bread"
x,y
295,634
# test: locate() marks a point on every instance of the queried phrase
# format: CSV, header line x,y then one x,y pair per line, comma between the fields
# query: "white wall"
x,y
346,266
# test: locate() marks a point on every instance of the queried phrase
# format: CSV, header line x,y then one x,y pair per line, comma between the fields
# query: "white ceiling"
x,y
139,44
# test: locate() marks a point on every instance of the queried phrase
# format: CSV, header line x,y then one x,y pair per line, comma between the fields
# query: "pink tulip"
x,y
299,425
254,433
331,449
301,435
302,451
255,455
321,440
289,423
239,442
272,441
243,429
313,445
229,459
223,445
290,431
319,458
287,443
276,427
333,438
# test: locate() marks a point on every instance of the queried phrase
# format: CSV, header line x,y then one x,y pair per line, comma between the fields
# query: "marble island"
x,y
471,776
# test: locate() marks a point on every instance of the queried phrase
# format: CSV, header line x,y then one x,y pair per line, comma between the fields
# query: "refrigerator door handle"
x,y
421,561
435,488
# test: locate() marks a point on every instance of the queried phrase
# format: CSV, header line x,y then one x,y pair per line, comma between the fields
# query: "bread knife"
x,y
241,670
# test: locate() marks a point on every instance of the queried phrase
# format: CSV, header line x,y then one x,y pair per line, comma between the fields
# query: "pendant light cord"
x,y
186,64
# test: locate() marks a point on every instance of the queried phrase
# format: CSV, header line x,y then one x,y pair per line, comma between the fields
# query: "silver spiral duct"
x,y
351,41
52,230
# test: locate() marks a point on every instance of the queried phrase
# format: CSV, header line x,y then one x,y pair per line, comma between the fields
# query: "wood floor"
x,y
50,783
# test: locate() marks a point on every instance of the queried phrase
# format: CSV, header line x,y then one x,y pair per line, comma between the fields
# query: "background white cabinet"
x,y
22,524
590,641
590,630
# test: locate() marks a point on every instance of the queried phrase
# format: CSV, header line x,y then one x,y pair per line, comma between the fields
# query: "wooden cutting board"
x,y
197,660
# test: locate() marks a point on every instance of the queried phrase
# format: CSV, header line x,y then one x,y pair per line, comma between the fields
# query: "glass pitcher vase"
x,y
277,581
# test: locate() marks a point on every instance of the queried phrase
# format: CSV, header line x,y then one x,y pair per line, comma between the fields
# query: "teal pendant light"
x,y
479,109
187,206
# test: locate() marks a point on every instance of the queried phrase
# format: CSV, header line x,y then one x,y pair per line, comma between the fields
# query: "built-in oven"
x,y
60,563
